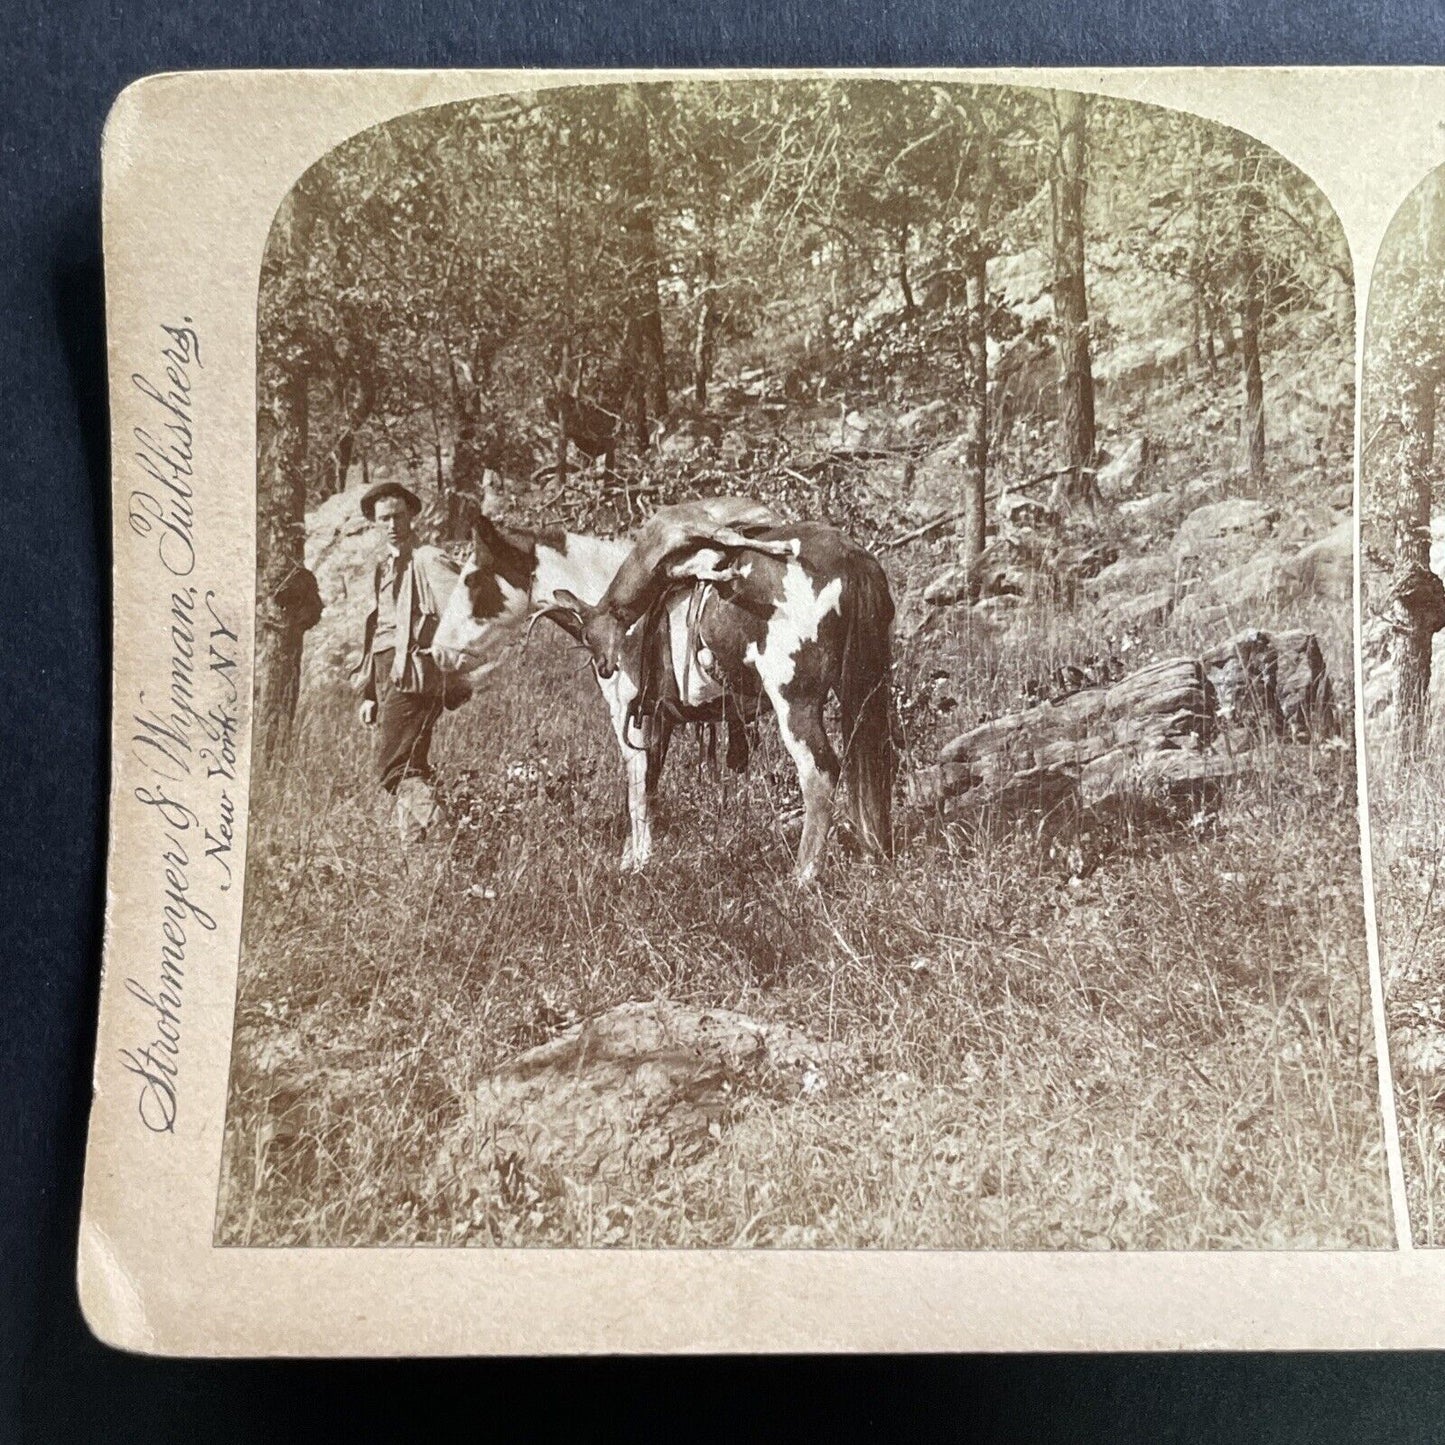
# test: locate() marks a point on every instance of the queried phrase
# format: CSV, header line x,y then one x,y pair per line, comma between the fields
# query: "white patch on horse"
x,y
795,622
585,565
464,643
618,692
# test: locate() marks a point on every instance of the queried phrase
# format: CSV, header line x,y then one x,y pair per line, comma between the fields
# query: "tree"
x,y
1067,188
1405,351
998,183
644,362
1250,287
284,370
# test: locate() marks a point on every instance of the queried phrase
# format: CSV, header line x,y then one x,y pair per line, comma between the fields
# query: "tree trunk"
x,y
282,422
359,397
1077,443
643,362
705,330
975,416
1251,312
1416,607
345,447
1201,277
1250,320
910,306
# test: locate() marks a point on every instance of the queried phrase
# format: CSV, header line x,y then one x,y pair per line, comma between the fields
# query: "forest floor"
x,y
1168,1048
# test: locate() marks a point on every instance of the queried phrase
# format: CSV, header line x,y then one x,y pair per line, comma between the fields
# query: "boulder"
x,y
641,1085
1167,704
1217,522
1121,475
1263,578
998,606
1202,489
1146,508
1326,568
1130,749
1302,524
1022,511
947,587
1130,575
1088,562
1145,609
1009,566
1149,747
922,417
1323,568
1275,682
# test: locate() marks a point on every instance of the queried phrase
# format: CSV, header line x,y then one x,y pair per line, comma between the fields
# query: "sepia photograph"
x,y
1403,540
804,682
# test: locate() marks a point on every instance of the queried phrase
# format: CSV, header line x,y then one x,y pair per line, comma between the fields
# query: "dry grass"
x,y
1407,822
1173,1051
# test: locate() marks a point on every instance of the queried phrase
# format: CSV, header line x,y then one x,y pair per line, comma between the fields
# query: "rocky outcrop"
x,y
642,1085
1218,523
1275,682
1157,739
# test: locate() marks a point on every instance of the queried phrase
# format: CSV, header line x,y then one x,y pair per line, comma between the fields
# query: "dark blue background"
x,y
62,66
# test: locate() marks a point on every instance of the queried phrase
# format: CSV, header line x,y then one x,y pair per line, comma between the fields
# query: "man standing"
x,y
403,690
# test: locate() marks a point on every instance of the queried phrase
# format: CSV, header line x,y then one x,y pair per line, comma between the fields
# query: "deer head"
x,y
598,630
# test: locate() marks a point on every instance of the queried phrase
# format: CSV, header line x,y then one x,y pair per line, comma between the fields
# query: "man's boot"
x,y
416,809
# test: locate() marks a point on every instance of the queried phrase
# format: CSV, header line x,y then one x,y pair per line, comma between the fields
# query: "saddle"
x,y
683,547
658,691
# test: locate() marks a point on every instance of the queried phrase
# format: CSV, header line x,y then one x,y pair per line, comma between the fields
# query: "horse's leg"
x,y
739,741
800,721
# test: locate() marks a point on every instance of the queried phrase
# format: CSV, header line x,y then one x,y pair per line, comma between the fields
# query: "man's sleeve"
x,y
365,674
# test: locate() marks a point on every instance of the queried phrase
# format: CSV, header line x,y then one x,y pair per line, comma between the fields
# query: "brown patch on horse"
x,y
508,553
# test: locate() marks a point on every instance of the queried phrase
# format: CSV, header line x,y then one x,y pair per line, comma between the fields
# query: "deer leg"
x,y
638,851
619,691
739,738
657,749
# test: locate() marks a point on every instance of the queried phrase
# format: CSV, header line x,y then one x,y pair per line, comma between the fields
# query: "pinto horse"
x,y
790,631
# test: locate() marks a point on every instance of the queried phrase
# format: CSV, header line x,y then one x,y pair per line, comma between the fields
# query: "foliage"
x,y
825,227
1404,350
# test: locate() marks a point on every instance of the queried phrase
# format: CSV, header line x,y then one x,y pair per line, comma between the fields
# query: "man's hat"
x,y
372,495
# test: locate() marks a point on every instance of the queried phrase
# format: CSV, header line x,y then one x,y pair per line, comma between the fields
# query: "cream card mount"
x,y
735,715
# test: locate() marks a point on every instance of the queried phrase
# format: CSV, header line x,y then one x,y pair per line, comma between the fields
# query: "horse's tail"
x,y
865,699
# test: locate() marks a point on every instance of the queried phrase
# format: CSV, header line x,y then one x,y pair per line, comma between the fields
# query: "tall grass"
x,y
1168,1048
1407,824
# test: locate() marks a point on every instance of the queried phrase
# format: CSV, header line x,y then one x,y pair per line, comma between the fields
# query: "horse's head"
x,y
490,604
